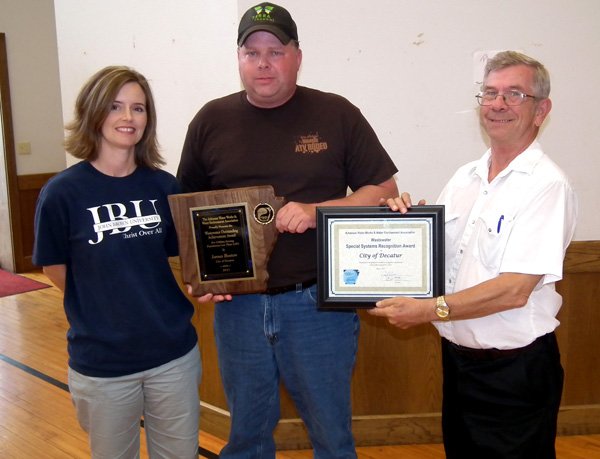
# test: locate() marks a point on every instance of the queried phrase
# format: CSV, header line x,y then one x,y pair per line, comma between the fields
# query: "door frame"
x,y
16,262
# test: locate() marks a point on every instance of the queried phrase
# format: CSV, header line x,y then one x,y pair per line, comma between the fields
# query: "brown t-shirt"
x,y
310,149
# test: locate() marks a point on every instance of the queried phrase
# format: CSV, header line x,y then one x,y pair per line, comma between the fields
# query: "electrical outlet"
x,y
24,148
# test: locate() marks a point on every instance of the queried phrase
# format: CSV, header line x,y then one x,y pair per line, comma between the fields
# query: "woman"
x,y
103,234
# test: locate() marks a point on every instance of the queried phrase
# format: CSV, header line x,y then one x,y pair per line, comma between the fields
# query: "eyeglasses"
x,y
510,97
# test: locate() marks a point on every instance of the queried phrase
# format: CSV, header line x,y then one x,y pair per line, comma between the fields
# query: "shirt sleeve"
x,y
191,174
51,228
368,163
541,233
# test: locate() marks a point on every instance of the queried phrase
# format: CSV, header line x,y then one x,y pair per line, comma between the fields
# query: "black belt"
x,y
291,287
493,353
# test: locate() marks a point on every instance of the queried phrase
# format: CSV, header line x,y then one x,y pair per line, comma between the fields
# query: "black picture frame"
x,y
396,255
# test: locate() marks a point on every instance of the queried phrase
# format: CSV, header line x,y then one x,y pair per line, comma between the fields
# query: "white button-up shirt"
x,y
521,222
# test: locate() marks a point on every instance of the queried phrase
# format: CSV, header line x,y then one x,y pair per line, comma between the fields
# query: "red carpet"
x,y
12,284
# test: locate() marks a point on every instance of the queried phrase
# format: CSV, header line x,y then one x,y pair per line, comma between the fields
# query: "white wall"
x,y
408,65
34,83
186,51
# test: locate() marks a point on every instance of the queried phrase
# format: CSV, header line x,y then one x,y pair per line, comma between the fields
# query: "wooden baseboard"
x,y
394,429
579,420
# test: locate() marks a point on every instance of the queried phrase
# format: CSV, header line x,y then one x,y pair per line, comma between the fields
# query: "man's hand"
x,y
405,312
296,217
401,203
209,297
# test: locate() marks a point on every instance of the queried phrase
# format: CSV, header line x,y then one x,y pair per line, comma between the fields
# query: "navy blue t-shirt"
x,y
114,234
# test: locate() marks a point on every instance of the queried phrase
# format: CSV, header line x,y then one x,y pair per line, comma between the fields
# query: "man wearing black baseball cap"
x,y
311,147
268,17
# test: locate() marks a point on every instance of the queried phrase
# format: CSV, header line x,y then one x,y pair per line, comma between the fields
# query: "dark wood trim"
x,y
10,158
28,187
33,182
582,257
394,429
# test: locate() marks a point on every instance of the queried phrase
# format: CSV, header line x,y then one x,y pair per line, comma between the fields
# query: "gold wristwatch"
x,y
441,308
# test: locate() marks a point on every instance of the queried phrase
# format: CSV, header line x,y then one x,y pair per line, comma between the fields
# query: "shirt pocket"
x,y
493,232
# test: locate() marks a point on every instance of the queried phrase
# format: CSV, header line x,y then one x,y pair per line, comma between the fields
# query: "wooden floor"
x,y
36,416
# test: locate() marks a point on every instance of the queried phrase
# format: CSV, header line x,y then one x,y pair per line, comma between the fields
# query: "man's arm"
x,y
507,291
296,217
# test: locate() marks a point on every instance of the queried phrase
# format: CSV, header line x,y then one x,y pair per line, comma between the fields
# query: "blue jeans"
x,y
262,338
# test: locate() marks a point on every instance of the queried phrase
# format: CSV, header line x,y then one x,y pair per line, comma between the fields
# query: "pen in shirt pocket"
x,y
500,223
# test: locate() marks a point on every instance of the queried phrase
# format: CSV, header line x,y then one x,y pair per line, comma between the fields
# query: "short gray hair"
x,y
541,78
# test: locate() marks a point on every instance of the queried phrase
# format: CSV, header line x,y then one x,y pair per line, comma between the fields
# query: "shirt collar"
x,y
524,162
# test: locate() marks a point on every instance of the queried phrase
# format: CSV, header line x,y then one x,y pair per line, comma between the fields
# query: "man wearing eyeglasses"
x,y
509,219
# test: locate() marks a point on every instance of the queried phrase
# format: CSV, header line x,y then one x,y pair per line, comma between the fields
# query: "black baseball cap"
x,y
270,18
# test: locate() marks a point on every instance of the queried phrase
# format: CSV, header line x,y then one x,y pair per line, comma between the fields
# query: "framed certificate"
x,y
365,254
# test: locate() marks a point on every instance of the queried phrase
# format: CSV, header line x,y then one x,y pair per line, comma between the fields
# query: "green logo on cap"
x,y
263,14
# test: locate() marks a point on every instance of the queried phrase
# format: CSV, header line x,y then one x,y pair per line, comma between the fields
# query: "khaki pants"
x,y
109,410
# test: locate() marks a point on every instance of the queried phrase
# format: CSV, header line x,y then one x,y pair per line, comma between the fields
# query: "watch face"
x,y
441,308
442,312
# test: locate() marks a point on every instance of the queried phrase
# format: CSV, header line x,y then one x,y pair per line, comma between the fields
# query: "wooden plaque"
x,y
226,238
